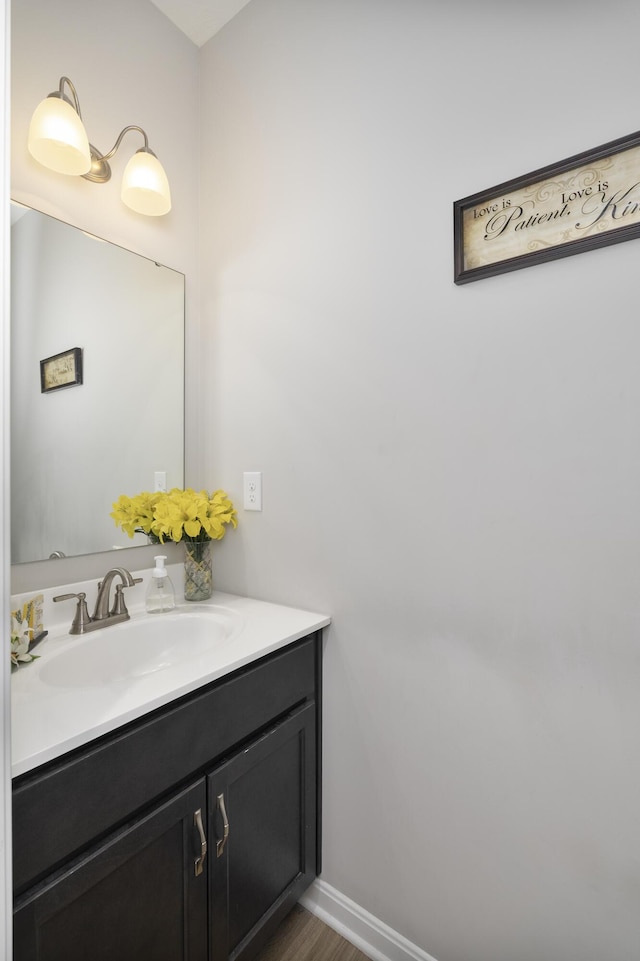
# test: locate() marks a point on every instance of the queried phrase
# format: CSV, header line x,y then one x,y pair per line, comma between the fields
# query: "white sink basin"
x,y
138,647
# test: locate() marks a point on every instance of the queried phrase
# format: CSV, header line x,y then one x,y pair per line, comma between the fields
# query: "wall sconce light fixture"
x,y
58,140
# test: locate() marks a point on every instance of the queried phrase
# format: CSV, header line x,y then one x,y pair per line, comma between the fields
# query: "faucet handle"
x,y
119,606
81,619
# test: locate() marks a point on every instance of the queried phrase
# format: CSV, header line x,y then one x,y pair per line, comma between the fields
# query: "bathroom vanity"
x,y
188,826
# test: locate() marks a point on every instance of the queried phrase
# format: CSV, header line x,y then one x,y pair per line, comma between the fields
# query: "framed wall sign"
x,y
61,370
589,200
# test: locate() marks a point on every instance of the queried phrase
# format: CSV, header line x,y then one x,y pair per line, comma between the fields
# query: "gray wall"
x,y
452,473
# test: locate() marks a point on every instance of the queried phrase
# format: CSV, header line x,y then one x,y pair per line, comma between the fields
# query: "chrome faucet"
x,y
102,615
104,590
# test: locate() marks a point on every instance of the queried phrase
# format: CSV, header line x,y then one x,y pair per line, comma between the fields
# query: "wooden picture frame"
x,y
61,370
589,200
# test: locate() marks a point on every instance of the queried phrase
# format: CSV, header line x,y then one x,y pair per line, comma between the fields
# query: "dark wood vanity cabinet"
x,y
109,841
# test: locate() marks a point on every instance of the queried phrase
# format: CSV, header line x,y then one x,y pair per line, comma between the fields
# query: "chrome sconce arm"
x,y
100,170
75,103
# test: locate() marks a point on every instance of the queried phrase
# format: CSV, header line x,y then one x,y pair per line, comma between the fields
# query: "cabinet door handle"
x,y
225,825
199,861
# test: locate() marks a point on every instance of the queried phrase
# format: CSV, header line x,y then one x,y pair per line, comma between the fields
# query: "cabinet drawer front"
x,y
61,811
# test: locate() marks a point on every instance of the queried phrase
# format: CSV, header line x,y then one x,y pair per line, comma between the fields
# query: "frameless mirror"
x,y
107,416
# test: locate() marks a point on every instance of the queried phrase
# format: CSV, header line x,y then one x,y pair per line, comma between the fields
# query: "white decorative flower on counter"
x,y
20,640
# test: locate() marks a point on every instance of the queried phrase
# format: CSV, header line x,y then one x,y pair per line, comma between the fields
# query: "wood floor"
x,y
303,937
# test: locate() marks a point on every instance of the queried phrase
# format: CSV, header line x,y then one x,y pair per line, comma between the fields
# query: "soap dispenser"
x,y
160,595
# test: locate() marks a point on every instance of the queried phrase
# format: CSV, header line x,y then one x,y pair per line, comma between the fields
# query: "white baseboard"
x,y
371,936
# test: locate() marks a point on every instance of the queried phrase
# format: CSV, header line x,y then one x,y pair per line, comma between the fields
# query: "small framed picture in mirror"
x,y
61,370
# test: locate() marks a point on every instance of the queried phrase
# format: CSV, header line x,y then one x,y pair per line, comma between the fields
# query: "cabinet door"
x,y
264,800
139,896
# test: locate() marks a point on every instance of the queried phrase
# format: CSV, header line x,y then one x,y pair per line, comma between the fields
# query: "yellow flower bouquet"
x,y
194,518
176,515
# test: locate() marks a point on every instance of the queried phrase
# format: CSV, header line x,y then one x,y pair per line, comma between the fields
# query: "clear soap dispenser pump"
x,y
160,595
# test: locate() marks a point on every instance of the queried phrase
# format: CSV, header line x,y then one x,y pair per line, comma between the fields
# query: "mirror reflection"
x,y
118,427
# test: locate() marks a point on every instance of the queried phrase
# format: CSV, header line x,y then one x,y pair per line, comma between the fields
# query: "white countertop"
x,y
48,721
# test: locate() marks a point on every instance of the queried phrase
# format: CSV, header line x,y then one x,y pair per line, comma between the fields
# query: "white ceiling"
x,y
200,19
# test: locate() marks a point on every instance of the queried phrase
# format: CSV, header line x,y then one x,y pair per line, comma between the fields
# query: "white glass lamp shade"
x,y
145,187
57,138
